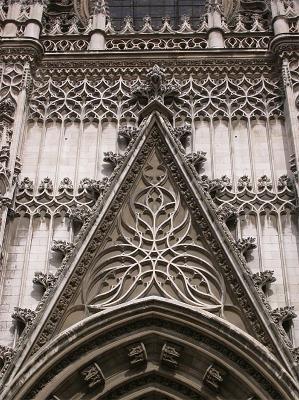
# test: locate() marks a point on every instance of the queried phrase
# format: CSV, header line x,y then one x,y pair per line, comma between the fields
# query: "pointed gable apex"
x,y
189,257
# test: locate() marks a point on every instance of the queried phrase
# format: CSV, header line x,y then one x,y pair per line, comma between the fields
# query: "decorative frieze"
x,y
170,355
137,354
92,375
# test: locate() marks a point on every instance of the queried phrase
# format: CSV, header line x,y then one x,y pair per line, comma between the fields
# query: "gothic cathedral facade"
x,y
149,193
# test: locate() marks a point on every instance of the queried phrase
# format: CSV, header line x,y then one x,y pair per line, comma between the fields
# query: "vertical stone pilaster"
x,y
33,27
97,39
215,33
14,10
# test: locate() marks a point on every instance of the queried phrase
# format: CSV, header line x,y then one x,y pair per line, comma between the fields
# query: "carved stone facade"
x,y
149,199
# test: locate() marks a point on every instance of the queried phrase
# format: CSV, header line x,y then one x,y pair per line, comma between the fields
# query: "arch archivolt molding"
x,y
156,347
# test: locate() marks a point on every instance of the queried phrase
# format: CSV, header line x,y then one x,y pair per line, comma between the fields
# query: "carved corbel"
x,y
114,159
6,356
214,377
137,354
46,281
245,245
170,355
197,159
227,213
62,246
23,316
92,375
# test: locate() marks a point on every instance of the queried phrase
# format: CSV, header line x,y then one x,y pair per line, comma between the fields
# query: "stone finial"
x,y
214,377
44,280
245,245
197,159
170,355
23,315
137,354
62,246
92,375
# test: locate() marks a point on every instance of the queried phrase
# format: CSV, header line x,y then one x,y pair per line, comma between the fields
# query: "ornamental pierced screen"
x,y
156,249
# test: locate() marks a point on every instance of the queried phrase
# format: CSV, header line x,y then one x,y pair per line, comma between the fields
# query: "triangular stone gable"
x,y
188,255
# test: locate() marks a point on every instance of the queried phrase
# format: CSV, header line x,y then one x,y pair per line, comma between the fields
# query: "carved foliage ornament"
x,y
155,249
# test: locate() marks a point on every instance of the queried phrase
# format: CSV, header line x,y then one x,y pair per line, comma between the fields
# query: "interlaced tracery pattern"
x,y
156,251
225,97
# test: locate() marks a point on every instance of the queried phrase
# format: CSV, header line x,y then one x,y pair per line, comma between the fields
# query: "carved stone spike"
x,y
244,183
128,132
285,182
62,246
44,280
113,158
46,185
261,279
182,132
264,182
170,355
245,245
26,185
80,214
6,356
92,375
137,354
23,315
66,185
283,314
227,213
197,159
214,377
